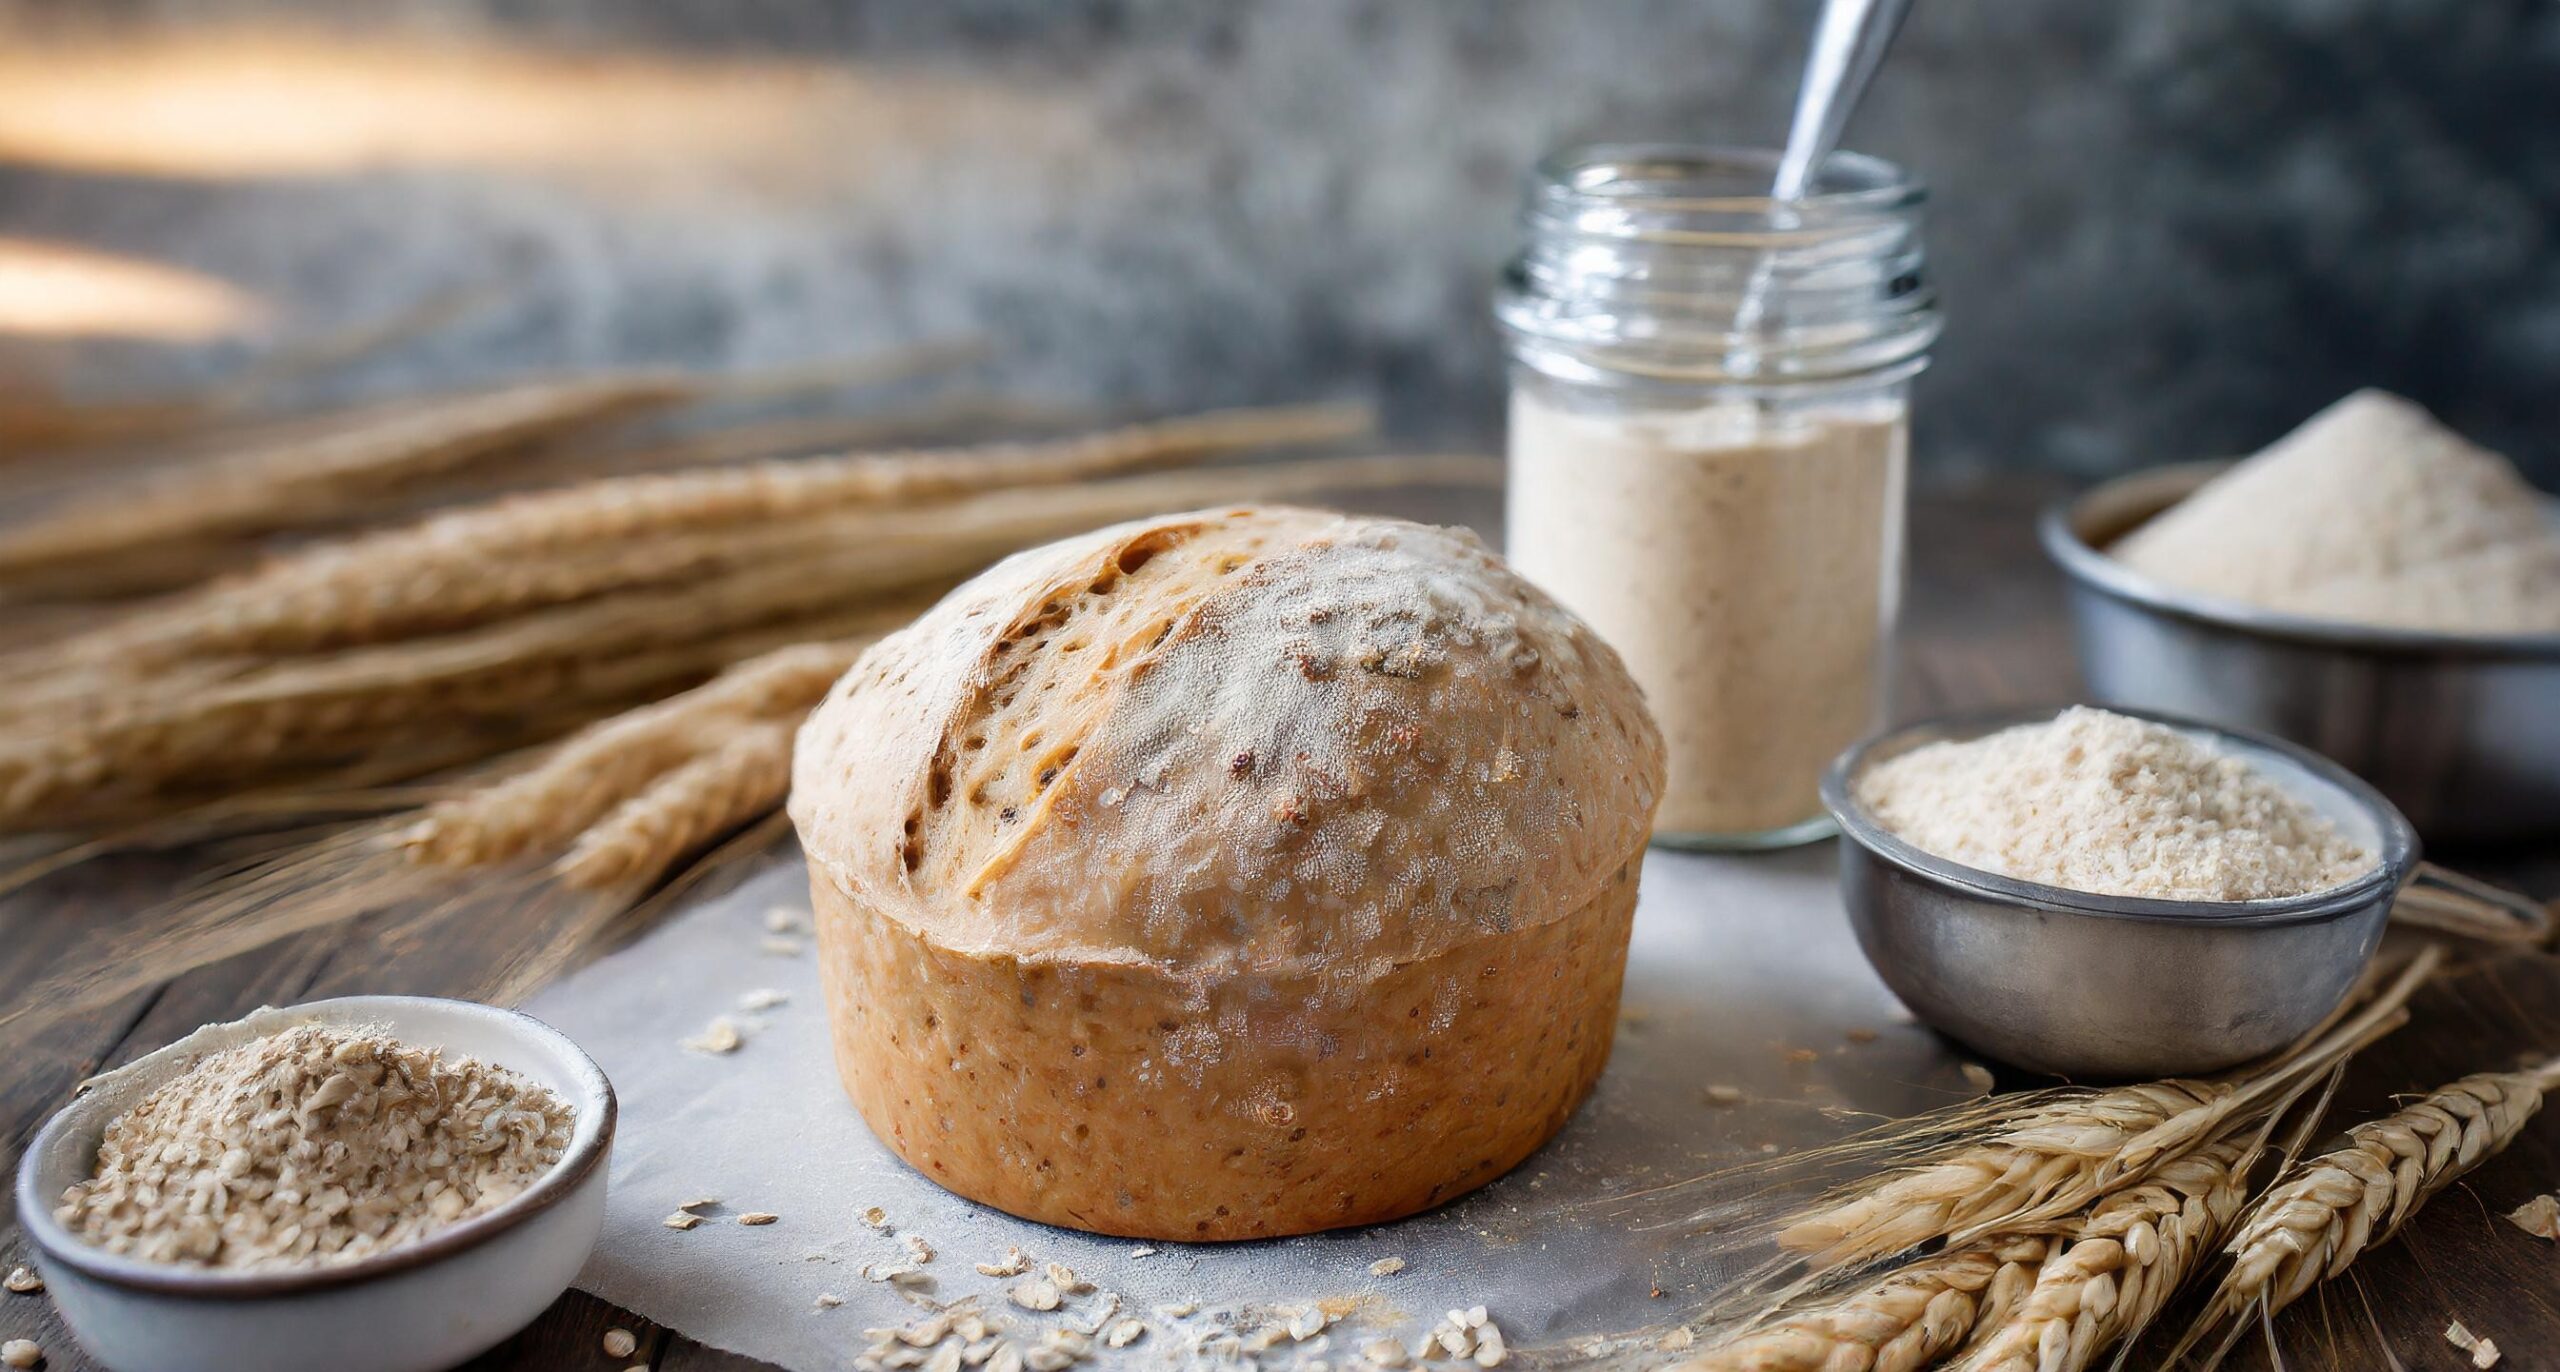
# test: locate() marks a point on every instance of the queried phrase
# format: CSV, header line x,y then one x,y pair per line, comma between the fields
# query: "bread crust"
x,y
1227,875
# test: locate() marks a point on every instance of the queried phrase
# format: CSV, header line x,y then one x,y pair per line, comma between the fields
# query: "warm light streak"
x,y
236,105
63,290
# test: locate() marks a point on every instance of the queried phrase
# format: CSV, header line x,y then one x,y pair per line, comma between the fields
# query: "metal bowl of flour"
x,y
2461,731
2098,987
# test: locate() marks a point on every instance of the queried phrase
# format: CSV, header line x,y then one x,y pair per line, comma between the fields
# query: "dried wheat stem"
x,y
2054,1158
679,812
278,480
610,761
2120,1264
2327,1211
1919,1314
468,565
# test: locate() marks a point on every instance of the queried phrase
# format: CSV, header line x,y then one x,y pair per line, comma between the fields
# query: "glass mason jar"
x,y
1709,437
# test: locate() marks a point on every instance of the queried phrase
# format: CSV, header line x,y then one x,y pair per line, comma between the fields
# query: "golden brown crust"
x,y
1239,776
1116,1098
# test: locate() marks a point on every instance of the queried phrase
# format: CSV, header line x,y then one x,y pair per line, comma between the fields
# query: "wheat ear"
x,y
2329,1210
2058,1157
605,764
1921,1313
688,807
464,566
277,480
2121,1263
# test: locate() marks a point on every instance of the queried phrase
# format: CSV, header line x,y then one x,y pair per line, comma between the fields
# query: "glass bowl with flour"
x,y
1708,452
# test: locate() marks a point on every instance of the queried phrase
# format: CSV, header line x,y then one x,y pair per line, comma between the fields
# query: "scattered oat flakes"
x,y
1306,1324
829,1300
1014,1265
1178,1310
697,1202
620,1343
782,919
1006,1358
1862,1035
923,1251
681,1219
763,998
22,1281
2539,1217
1979,1078
755,1217
927,1332
1125,1333
1386,1267
2484,1352
20,1353
1384,1353
1036,1294
780,946
1724,1095
877,1218
1678,1339
1143,1251
946,1358
719,1036
1066,1280
1489,1349
1261,1340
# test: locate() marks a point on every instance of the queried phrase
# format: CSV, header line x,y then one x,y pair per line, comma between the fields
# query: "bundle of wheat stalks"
x,y
2051,1228
671,626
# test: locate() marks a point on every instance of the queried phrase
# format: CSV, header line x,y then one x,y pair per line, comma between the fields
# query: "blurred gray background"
x,y
2162,229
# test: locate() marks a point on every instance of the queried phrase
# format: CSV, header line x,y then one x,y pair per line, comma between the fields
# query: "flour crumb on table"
x,y
681,1220
22,1281
782,919
20,1353
922,1250
763,998
781,946
2484,1352
829,1300
2539,1217
876,1217
719,1036
620,1343
758,1217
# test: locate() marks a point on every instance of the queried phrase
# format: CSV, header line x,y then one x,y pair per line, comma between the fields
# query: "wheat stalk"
x,y
608,762
679,812
468,564
277,480
1922,1312
2057,1156
131,735
2120,1264
2329,1210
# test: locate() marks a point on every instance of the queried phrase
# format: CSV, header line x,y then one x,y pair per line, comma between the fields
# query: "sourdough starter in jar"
x,y
1745,563
1709,392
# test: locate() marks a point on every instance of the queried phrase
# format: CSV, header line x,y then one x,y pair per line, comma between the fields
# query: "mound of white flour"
x,y
2099,802
2372,513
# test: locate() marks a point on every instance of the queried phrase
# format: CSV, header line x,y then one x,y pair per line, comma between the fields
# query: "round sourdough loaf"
x,y
1229,874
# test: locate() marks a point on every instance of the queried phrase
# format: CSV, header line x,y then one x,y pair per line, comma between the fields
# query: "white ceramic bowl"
x,y
428,1305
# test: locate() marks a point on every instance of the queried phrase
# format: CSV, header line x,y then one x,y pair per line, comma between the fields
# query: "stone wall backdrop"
x,y
2163,229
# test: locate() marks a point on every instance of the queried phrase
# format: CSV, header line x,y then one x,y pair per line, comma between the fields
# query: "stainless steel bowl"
x,y
2461,732
2114,987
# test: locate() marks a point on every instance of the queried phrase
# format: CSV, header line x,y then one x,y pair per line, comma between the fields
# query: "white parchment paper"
x,y
1744,977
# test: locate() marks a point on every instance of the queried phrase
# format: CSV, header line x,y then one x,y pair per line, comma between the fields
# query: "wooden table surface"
x,y
1982,628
